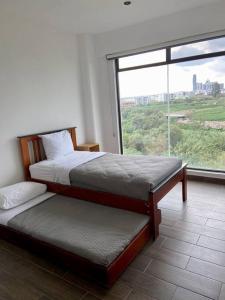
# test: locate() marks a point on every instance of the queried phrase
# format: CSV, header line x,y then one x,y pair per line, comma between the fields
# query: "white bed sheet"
x,y
58,170
7,215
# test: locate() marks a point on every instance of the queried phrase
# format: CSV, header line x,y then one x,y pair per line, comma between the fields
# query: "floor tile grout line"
x,y
177,285
220,282
174,292
148,265
125,298
187,263
198,239
220,290
201,233
178,239
208,236
38,266
85,294
199,258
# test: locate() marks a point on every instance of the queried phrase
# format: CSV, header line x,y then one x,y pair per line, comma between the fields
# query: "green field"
x,y
199,138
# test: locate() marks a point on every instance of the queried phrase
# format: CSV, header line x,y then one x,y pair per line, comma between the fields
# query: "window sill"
x,y
218,177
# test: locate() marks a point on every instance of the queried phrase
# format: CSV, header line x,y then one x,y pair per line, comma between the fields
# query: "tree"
x,y
216,89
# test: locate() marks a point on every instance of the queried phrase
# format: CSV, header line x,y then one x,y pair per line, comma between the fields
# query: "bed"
x,y
134,183
91,239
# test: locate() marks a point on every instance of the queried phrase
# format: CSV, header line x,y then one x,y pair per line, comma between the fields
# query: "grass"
x,y
201,109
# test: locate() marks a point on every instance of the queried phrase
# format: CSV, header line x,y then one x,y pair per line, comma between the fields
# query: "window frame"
x,y
168,61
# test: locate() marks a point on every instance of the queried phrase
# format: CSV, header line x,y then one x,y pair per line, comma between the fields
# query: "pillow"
x,y
57,145
19,193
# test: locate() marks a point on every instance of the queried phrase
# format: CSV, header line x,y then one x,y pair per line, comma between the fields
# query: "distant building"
x,y
143,100
194,83
127,102
207,88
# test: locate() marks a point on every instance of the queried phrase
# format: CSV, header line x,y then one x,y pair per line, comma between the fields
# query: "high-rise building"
x,y
194,81
207,88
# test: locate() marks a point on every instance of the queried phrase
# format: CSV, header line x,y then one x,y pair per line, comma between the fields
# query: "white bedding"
x,y
58,170
7,215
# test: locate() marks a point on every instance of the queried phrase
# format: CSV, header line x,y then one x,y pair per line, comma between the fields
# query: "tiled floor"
x,y
187,262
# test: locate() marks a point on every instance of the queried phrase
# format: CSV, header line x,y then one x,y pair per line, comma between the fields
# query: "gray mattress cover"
x,y
95,232
128,175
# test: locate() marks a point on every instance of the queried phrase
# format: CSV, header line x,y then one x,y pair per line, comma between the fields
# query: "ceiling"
x,y
92,16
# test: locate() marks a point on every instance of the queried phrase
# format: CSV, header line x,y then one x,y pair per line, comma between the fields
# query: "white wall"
x,y
201,20
39,89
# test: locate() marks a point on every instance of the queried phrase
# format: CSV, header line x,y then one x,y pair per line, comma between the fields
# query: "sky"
x,y
149,81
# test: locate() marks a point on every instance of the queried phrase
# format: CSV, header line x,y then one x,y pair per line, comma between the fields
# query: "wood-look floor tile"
x,y
130,276
154,287
186,279
183,215
222,293
170,257
151,244
195,251
203,213
44,298
141,262
120,289
92,297
178,234
216,224
47,283
200,229
199,204
207,269
168,222
219,208
13,288
137,295
183,294
33,258
211,243
217,216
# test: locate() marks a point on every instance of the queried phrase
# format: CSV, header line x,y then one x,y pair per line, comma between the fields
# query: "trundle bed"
x,y
94,232
91,239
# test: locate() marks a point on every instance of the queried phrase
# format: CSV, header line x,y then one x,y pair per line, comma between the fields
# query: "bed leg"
x,y
155,215
184,185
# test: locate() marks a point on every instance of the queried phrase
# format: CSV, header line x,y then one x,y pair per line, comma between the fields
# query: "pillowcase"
x,y
19,193
57,145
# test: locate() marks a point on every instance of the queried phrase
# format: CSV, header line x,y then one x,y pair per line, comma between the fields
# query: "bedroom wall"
x,y
204,19
39,88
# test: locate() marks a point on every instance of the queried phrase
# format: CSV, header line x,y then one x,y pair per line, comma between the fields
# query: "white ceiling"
x,y
92,16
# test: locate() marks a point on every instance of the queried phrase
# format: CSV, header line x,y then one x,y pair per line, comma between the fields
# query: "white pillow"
x,y
57,145
19,193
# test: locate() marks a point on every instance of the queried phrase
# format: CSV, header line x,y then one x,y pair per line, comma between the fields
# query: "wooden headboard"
x,y
32,150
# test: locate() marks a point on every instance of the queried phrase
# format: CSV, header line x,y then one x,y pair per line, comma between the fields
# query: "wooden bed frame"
x,y
105,276
32,152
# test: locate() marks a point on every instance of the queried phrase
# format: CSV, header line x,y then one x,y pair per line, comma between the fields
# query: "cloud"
x,y
218,65
185,51
198,48
216,44
191,63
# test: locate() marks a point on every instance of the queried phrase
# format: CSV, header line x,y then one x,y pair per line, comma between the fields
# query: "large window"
x,y
172,103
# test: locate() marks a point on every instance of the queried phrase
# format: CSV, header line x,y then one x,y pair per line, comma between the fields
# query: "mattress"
x,y
58,170
8,214
128,175
95,232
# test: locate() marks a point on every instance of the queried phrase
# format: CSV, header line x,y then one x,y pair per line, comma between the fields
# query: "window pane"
x,y
142,59
197,112
198,48
143,105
